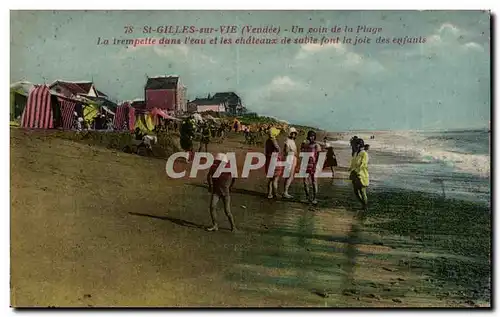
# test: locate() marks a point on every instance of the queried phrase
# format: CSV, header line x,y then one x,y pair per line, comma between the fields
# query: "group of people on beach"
x,y
220,187
207,130
290,149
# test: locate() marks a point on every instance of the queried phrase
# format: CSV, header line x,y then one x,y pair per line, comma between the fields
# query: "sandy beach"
x,y
95,227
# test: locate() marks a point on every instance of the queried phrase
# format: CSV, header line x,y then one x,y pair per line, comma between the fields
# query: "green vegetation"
x,y
254,118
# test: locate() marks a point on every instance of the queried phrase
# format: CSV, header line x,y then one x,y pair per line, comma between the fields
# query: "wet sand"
x,y
94,227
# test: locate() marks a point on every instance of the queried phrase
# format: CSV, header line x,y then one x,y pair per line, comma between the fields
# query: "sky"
x,y
443,83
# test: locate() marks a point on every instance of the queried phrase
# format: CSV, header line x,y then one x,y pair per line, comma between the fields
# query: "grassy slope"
x,y
94,227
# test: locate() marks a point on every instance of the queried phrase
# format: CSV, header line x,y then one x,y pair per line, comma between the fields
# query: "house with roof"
x,y
232,101
166,93
206,104
73,89
81,89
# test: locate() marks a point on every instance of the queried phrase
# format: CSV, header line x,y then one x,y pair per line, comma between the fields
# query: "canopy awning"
x,y
107,110
158,112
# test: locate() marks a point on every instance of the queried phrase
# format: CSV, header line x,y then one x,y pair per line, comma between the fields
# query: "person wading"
x,y
310,145
271,147
331,159
220,189
359,173
353,145
290,149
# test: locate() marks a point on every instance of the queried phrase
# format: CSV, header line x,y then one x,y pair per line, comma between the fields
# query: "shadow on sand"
x,y
295,255
176,221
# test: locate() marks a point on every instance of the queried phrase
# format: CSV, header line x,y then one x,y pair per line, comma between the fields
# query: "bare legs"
x,y
288,182
201,146
272,187
227,210
360,193
311,180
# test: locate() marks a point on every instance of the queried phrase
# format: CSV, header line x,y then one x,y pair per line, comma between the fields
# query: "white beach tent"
x,y
19,93
22,87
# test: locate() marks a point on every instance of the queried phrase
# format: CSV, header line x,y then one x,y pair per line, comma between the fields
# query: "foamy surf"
x,y
459,161
429,148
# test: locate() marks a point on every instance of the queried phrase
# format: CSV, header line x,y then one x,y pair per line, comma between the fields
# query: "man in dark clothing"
x,y
354,145
220,189
205,137
187,132
138,134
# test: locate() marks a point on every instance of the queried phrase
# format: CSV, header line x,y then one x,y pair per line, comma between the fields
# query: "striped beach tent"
x,y
38,112
124,115
67,113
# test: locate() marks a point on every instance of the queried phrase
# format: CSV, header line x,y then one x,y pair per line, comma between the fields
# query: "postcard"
x,y
334,159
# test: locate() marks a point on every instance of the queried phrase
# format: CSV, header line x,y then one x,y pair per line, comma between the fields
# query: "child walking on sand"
x,y
220,189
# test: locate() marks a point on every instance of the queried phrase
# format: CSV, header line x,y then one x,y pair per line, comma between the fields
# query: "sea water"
x,y
453,163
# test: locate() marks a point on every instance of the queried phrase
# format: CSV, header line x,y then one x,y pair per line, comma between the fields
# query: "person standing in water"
x,y
353,143
359,173
290,149
310,145
331,159
271,147
220,189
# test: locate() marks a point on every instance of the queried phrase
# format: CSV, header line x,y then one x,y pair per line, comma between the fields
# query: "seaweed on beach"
x,y
457,233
